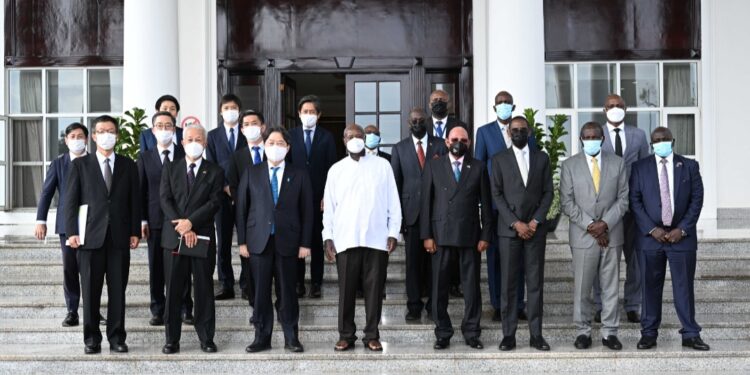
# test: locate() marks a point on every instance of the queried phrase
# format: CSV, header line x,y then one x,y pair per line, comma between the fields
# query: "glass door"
x,y
380,100
3,162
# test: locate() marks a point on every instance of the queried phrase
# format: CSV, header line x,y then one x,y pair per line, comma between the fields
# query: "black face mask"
x,y
418,129
519,139
458,149
440,109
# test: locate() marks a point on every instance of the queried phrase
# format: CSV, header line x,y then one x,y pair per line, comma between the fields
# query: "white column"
x,y
709,115
150,53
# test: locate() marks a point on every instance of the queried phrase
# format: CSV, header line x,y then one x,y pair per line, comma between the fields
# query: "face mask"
x,y
230,116
615,115
458,149
163,137
355,145
77,146
663,149
106,140
418,129
194,150
440,109
308,121
252,133
276,153
592,146
519,139
372,140
503,111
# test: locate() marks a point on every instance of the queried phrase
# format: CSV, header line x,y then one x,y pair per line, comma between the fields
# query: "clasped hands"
x,y
430,247
661,235
599,230
525,230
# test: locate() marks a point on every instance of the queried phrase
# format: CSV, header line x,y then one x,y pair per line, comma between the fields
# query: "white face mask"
x,y
77,146
106,140
276,153
163,137
230,116
252,133
355,145
615,115
194,150
308,121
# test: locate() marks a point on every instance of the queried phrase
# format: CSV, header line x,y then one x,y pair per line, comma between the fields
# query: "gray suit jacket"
x,y
583,205
636,145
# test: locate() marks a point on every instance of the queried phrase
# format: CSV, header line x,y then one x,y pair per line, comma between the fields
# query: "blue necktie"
x,y
274,191
439,129
256,155
231,138
308,141
457,170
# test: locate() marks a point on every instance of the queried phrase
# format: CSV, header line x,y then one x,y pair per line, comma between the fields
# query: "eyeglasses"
x,y
106,132
276,143
163,126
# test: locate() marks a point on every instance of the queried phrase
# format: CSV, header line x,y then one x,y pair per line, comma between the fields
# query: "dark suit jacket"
x,y
199,205
55,181
384,155
292,217
118,210
322,157
220,152
513,200
148,140
242,159
645,201
450,212
408,174
451,123
150,169
490,142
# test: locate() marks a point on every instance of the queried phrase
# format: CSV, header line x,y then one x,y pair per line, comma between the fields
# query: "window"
x,y
42,103
378,100
657,93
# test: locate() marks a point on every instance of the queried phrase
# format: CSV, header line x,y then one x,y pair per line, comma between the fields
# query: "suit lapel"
x,y
94,165
533,161
286,180
224,140
199,175
582,166
604,166
465,173
448,169
678,165
498,135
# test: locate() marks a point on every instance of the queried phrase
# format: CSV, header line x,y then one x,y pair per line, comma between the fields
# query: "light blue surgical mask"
x,y
372,141
592,146
504,110
663,149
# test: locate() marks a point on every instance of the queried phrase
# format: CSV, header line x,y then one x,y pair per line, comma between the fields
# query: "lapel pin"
x,y
679,164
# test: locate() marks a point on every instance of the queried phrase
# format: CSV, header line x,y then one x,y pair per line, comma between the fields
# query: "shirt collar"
x,y
170,148
423,139
611,128
502,126
371,152
101,158
197,164
669,158
281,167
598,157
525,149
444,120
453,159
74,156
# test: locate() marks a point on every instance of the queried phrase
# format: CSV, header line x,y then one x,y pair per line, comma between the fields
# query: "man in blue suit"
x,y
666,197
493,138
76,136
165,103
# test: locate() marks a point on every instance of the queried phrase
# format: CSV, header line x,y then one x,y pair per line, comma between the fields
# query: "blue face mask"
x,y
504,110
663,149
372,141
592,146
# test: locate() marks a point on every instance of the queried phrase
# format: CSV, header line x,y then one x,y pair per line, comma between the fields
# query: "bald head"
x,y
457,134
372,129
661,134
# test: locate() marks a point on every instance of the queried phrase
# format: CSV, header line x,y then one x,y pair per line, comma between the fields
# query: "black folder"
x,y
200,250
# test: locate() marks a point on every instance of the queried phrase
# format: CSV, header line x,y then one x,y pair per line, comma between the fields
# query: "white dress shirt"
x,y
261,151
279,173
161,150
612,134
522,156
504,131
197,165
670,175
362,207
442,126
454,160
312,133
111,158
373,152
424,144
236,133
591,165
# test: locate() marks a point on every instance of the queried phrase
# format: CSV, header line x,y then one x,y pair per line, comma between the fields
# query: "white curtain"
x,y
28,143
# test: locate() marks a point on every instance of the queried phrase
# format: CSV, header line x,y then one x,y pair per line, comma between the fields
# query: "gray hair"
x,y
196,126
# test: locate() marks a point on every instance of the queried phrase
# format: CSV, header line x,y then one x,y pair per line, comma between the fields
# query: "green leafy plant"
x,y
551,142
130,127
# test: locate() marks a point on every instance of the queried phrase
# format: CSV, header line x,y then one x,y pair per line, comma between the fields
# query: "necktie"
x,y
107,175
191,176
165,158
420,154
524,169
274,191
256,155
308,141
231,138
618,142
457,170
595,173
439,129
666,200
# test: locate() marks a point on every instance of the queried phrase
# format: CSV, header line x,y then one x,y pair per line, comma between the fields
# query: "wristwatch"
x,y
684,234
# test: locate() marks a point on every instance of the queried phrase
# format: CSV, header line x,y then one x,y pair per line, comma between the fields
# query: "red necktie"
x,y
420,154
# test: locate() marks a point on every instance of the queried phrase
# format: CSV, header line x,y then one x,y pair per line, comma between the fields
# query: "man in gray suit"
x,y
631,144
596,206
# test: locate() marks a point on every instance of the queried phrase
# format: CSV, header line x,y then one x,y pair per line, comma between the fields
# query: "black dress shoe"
x,y
156,320
441,344
646,342
258,346
695,343
474,343
522,315
71,320
582,342
612,342
301,291
93,349
171,348
538,343
633,316
508,343
188,319
208,347
412,316
294,346
497,316
224,294
118,348
455,291
598,316
315,291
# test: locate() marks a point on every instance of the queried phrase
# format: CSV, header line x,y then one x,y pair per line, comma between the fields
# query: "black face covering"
x,y
418,129
519,139
458,149
440,109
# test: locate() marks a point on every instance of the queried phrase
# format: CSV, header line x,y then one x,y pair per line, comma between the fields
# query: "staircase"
x,y
32,339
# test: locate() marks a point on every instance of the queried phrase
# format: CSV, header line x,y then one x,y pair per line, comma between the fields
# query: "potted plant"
x,y
130,127
550,140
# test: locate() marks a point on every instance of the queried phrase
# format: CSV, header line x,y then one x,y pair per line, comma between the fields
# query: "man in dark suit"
x,y
408,161
252,126
455,222
275,237
190,196
108,184
522,191
372,142
150,166
76,136
312,147
222,143
148,138
666,198
493,138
